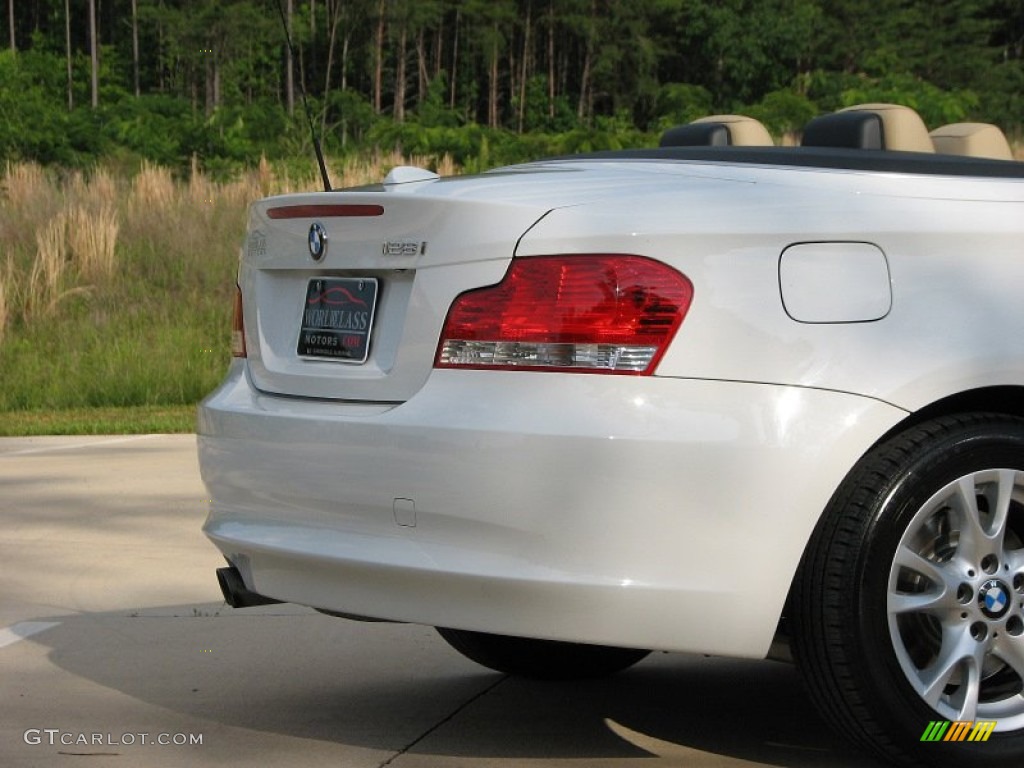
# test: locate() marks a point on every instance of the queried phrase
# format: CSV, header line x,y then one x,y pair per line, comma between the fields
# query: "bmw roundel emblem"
x,y
994,598
317,241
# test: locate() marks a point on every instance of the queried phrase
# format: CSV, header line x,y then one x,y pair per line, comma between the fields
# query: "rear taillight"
x,y
586,313
237,327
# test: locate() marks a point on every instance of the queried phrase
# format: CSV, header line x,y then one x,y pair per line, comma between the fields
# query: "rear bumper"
x,y
656,513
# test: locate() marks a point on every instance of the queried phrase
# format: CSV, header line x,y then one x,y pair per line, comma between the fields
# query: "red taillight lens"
x,y
237,327
600,314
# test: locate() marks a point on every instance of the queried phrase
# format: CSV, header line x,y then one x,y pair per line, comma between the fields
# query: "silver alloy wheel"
x,y
955,600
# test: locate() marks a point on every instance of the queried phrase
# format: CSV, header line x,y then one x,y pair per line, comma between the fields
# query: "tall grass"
x,y
117,291
92,240
121,298
45,281
5,309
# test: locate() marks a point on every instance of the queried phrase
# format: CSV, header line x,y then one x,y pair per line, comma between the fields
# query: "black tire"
x,y
906,598
540,659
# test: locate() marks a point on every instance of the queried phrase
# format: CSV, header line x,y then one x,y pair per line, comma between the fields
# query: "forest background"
x,y
481,80
133,133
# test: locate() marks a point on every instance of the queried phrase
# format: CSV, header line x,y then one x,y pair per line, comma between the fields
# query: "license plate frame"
x,y
337,319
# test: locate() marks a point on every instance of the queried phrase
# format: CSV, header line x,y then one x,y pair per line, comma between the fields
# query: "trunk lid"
x,y
421,244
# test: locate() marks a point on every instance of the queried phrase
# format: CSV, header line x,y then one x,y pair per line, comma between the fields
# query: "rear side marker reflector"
x,y
324,211
581,313
238,327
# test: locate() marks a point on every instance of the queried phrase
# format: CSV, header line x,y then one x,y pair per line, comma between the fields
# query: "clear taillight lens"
x,y
237,327
586,313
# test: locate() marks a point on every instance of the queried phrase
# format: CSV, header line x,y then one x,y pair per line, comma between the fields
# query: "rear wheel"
x,y
540,659
908,609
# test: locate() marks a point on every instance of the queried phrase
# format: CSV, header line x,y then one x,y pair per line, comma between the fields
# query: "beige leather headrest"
x,y
743,131
902,128
973,140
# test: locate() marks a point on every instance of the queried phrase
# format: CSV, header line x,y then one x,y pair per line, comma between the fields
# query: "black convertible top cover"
x,y
883,161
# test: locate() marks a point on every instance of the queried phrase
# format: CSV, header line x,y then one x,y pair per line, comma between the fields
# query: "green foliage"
x,y
349,116
150,126
1003,101
742,49
784,111
32,124
544,75
434,112
679,103
936,106
541,113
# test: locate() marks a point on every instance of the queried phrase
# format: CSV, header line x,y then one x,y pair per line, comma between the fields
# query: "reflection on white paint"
x,y
23,629
787,407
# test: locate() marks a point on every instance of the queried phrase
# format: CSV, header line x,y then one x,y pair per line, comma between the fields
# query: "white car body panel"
x,y
731,246
665,512
595,509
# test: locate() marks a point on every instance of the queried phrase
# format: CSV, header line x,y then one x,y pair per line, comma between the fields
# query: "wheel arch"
x,y
1007,400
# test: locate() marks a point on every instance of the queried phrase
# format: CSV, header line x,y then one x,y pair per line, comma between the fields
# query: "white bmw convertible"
x,y
715,397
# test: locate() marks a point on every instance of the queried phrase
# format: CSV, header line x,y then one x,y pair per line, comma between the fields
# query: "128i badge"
x,y
404,248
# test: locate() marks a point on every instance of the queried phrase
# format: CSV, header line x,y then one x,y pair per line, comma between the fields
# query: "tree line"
x,y
213,79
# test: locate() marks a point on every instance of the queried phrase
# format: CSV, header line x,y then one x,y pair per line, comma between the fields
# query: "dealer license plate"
x,y
337,318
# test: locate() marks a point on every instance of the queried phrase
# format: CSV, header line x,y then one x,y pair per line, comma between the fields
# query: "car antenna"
x,y
305,104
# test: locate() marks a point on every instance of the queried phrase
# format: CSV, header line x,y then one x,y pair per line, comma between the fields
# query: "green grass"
x,y
138,420
132,348
136,355
116,292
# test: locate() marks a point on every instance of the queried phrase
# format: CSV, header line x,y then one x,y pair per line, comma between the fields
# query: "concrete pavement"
x,y
113,639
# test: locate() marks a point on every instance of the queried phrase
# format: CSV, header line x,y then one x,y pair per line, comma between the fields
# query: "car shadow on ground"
x,y
284,670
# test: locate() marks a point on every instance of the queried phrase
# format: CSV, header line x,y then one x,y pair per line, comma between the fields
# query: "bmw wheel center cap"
x,y
317,241
994,598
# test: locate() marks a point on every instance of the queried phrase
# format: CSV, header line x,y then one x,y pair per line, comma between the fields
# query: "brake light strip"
x,y
325,211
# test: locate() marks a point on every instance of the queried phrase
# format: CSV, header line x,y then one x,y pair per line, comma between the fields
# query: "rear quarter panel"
x,y
954,248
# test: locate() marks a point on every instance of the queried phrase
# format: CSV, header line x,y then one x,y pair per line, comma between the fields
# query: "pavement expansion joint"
x,y
444,721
